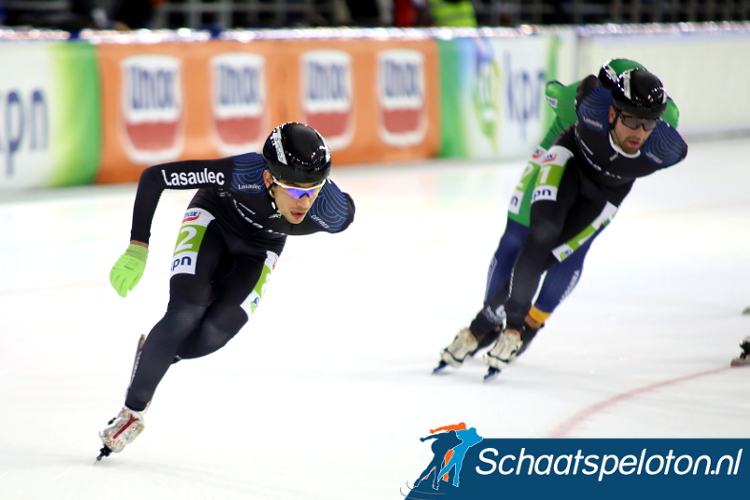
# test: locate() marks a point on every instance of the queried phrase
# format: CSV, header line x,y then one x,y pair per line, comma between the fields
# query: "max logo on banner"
x,y
327,95
442,476
239,102
401,97
152,108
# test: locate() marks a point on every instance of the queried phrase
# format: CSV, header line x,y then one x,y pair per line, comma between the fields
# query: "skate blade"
x,y
491,374
439,367
104,452
741,361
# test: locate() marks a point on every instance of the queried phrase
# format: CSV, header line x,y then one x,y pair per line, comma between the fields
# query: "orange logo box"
x,y
177,101
373,100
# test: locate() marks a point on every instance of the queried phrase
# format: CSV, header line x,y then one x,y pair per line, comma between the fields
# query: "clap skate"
x,y
502,353
505,350
122,430
463,345
126,426
744,358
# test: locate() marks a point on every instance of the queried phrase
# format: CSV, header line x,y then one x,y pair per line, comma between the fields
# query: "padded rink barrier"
x,y
101,108
50,129
373,100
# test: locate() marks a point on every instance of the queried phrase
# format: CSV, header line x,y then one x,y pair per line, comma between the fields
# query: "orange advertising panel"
x,y
174,101
373,100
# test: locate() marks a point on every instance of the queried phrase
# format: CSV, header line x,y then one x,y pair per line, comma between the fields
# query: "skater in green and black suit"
x,y
560,279
584,177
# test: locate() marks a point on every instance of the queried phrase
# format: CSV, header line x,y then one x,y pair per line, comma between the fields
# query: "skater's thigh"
x,y
242,279
194,272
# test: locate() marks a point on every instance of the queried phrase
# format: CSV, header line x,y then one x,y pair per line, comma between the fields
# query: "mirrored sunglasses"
x,y
298,192
633,122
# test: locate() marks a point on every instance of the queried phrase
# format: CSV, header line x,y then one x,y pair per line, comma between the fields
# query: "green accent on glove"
x,y
128,270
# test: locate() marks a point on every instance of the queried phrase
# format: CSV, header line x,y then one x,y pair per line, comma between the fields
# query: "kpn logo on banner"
x,y
24,129
465,465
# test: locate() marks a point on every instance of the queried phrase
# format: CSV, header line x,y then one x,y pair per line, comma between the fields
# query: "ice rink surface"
x,y
324,394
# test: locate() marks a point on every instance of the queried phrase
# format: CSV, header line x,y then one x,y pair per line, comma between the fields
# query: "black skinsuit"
x,y
229,241
595,178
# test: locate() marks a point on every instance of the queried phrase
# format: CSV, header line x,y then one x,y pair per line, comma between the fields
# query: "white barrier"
x,y
703,67
50,134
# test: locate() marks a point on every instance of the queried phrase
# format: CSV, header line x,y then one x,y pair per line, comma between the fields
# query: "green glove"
x,y
127,271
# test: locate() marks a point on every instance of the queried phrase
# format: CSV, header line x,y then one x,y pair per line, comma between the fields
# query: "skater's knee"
x,y
219,327
213,337
185,312
512,238
226,317
542,235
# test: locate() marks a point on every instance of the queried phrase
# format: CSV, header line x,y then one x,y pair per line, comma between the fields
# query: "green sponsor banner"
x,y
492,94
78,130
50,128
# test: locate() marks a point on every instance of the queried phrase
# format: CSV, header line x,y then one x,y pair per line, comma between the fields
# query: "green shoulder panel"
x,y
672,113
562,99
622,65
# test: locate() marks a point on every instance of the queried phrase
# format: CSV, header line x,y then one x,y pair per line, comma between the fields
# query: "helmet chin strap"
x,y
273,199
616,146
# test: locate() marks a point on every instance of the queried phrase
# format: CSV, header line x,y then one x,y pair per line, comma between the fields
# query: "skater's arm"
x,y
191,174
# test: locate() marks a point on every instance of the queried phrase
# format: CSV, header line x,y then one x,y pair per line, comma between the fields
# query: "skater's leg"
x,y
189,298
236,296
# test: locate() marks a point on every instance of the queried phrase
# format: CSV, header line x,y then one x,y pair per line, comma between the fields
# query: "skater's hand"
x,y
127,271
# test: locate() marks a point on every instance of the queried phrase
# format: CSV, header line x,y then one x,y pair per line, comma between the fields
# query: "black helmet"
x,y
610,70
640,93
296,152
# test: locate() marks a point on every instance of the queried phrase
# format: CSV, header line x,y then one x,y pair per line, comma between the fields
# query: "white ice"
x,y
324,394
